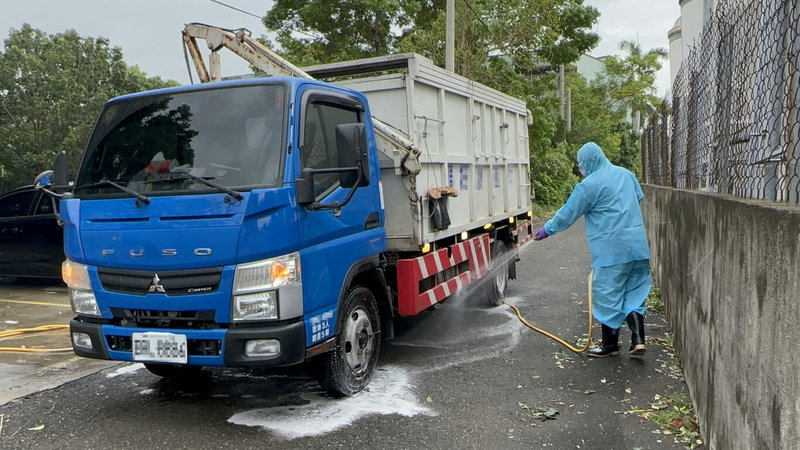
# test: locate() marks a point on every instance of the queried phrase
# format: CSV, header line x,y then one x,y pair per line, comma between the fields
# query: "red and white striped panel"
x,y
527,227
411,271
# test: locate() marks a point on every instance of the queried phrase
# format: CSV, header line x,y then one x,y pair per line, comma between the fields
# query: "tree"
x,y
631,80
315,31
529,34
593,117
51,90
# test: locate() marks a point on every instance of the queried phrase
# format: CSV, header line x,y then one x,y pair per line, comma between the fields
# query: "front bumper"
x,y
216,347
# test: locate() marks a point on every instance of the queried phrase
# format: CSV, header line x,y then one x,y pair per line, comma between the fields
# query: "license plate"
x,y
159,347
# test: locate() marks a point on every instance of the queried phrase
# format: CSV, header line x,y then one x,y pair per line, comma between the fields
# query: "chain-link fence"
x,y
733,125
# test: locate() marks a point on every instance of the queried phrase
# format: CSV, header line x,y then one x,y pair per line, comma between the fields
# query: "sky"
x,y
148,31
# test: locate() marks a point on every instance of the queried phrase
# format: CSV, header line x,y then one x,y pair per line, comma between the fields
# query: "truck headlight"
x,y
81,295
256,284
256,306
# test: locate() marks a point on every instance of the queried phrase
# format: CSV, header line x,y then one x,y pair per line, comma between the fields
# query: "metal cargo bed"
x,y
471,138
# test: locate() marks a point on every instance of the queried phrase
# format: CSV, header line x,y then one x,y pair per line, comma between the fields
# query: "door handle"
x,y
372,221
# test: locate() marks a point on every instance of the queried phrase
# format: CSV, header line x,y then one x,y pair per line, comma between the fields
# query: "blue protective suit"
x,y
609,199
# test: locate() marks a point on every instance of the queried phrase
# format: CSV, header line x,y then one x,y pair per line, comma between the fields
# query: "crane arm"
x,y
265,60
241,44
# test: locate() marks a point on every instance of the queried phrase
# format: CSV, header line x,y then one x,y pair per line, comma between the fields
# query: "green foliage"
x,y
316,31
628,154
528,33
553,176
654,301
631,80
51,90
594,118
675,415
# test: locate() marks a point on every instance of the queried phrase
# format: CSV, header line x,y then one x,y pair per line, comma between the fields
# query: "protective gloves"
x,y
541,234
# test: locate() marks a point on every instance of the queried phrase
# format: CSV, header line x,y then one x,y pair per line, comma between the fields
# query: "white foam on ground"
x,y
125,370
389,392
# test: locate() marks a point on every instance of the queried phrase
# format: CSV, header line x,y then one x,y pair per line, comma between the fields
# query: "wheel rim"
x,y
358,341
501,279
501,272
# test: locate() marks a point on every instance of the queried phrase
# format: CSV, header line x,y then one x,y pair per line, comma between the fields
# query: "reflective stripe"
x,y
411,271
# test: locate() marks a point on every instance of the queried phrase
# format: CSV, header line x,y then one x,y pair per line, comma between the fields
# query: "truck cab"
x,y
226,224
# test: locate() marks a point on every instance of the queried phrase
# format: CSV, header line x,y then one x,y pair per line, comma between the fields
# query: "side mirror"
x,y
351,151
304,187
43,180
54,182
61,176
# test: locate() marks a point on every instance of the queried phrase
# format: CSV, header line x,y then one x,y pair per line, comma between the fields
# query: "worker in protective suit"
x,y
609,198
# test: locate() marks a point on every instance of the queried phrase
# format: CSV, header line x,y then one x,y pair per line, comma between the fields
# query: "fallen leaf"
x,y
603,380
36,428
677,422
550,413
628,390
429,399
589,391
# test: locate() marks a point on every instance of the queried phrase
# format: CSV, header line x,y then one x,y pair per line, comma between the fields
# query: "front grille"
x,y
145,318
195,347
170,282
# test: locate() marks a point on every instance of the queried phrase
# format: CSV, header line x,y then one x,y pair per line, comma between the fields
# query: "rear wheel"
x,y
173,371
498,275
350,365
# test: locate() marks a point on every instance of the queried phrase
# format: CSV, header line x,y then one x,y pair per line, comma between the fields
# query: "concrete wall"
x,y
729,274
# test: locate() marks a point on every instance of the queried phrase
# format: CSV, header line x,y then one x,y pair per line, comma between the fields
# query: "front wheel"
x,y
498,275
350,365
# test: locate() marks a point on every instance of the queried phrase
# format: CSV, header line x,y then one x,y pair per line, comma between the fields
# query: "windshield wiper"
x,y
233,193
139,197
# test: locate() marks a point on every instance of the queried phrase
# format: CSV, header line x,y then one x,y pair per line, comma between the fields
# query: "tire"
x,y
498,274
348,368
173,371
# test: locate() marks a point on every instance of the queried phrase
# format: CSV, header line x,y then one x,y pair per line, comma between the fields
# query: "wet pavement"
x,y
45,359
463,375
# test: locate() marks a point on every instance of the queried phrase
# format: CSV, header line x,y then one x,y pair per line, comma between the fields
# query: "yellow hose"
x,y
556,338
11,333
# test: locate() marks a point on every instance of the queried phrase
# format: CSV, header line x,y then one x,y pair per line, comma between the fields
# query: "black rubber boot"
x,y
610,344
636,324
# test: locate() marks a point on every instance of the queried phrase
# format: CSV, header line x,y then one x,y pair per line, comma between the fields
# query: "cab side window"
x,y
16,204
318,150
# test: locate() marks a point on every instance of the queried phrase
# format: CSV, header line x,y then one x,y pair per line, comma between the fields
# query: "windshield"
x,y
167,142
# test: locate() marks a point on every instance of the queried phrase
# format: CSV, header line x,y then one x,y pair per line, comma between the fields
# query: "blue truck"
x,y
263,222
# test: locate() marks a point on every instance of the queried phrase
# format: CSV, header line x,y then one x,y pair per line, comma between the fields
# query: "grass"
x,y
675,415
653,302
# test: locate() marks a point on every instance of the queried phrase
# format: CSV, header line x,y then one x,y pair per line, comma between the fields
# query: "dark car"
x,y
31,240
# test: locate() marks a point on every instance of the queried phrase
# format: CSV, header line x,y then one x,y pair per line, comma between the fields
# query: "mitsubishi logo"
x,y
156,286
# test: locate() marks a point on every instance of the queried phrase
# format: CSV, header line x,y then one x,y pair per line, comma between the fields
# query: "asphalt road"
x,y
463,375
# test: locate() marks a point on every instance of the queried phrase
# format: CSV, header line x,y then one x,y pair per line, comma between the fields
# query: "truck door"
x,y
334,240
